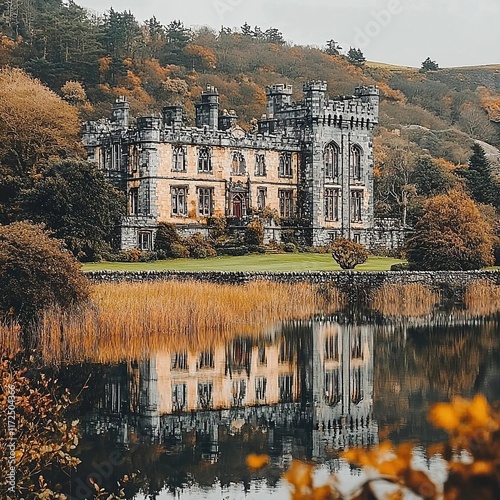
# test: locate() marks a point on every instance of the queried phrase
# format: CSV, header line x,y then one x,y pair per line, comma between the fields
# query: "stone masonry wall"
x,y
357,285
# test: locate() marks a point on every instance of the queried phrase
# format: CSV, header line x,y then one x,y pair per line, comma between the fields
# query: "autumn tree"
x,y
450,235
36,273
36,125
480,182
347,253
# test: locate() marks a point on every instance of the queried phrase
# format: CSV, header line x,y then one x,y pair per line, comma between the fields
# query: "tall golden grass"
x,y
133,320
482,298
408,300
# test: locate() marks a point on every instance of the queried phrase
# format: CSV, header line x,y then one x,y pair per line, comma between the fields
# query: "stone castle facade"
x,y
308,162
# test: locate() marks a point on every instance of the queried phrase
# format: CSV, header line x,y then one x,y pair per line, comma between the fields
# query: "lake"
x,y
186,420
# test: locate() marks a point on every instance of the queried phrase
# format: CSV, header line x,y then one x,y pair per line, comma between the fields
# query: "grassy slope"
x,y
272,262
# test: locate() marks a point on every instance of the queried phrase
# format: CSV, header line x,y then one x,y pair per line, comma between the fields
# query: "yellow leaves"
x,y
256,462
300,476
443,415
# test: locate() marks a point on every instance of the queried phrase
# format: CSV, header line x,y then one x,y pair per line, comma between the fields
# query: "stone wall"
x,y
357,285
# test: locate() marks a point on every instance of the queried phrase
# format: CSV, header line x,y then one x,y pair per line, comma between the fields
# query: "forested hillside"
x,y
429,117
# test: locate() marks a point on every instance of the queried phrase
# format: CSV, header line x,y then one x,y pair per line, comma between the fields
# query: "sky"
x,y
403,32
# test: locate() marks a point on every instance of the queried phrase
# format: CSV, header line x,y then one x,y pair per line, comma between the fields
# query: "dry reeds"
x,y
132,320
405,300
482,298
10,342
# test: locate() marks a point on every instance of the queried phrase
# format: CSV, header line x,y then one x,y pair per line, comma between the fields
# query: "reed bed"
x,y
405,300
482,298
133,320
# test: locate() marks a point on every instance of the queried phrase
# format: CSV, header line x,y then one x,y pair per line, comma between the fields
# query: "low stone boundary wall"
x,y
354,283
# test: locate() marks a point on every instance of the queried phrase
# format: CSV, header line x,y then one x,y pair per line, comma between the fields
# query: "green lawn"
x,y
266,262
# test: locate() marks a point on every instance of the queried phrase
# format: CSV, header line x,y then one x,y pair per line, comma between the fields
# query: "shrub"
x,y
217,227
290,248
254,233
178,251
234,251
166,236
36,273
256,249
198,247
403,266
348,254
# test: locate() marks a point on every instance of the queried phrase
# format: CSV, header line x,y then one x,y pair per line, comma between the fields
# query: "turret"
x,y
227,119
207,110
278,97
120,114
172,116
369,94
314,93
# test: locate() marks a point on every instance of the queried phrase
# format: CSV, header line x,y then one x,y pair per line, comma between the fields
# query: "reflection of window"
x,y
262,358
260,388
260,164
285,165
355,162
356,204
205,201
332,204
238,164
332,348
179,397
133,201
332,387
205,395
261,198
178,159
206,360
179,361
285,386
285,352
204,160
239,391
145,238
285,197
179,200
331,159
356,346
356,385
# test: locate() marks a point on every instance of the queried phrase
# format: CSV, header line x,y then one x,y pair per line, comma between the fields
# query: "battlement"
x,y
279,89
314,86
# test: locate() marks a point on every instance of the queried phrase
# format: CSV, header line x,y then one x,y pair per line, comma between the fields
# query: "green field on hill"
x,y
271,262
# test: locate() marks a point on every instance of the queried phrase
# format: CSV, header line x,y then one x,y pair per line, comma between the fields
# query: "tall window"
x,y
239,391
332,348
179,361
285,165
135,157
205,201
332,204
356,385
204,160
285,387
238,164
355,162
356,204
116,156
145,240
286,202
331,159
133,201
260,164
178,159
261,198
179,200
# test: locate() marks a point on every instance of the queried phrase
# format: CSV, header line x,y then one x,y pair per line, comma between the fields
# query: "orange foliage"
x,y
205,55
391,94
104,65
490,102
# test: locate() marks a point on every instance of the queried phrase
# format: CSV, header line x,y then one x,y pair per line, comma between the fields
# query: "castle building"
x,y
308,162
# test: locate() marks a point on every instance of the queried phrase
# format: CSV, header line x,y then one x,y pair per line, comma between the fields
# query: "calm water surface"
x,y
305,390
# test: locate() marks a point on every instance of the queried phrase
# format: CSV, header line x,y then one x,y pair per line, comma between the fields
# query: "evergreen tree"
x,y
333,48
479,179
430,65
356,57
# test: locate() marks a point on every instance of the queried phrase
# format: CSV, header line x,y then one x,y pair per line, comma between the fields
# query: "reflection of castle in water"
x,y
316,376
